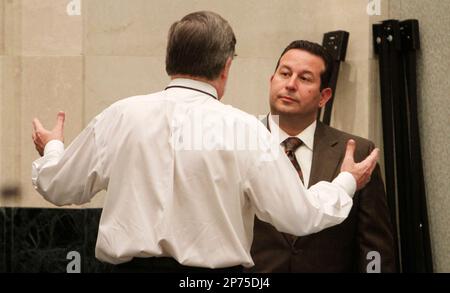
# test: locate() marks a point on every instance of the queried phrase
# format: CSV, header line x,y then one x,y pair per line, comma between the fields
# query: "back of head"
x,y
199,45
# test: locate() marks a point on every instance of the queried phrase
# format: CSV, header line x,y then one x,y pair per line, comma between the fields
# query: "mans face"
x,y
295,86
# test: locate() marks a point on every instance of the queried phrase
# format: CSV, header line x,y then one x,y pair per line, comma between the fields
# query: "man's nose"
x,y
292,83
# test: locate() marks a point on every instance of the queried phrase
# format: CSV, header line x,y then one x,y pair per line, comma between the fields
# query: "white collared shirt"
x,y
304,154
182,182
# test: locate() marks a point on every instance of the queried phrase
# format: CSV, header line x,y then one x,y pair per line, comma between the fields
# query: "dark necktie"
x,y
291,144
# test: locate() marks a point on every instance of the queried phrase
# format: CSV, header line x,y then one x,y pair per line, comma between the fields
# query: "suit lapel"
x,y
326,155
326,160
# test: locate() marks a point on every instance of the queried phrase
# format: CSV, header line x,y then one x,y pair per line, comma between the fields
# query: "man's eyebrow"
x,y
307,72
304,71
284,66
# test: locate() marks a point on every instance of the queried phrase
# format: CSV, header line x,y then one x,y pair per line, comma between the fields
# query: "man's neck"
x,y
213,83
186,76
292,125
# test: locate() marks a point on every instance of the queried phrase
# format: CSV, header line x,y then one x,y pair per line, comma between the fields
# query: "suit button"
x,y
296,251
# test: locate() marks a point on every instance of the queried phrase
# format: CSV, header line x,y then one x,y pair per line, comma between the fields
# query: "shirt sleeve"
x,y
71,176
280,198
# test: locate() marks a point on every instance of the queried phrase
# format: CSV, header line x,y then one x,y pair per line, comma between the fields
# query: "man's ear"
x,y
325,96
226,70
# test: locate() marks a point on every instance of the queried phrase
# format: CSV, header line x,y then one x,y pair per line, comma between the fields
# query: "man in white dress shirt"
x,y
184,173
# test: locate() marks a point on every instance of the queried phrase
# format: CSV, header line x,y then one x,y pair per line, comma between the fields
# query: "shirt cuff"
x,y
54,146
347,182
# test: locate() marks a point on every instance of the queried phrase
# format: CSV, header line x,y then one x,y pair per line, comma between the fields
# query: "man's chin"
x,y
283,110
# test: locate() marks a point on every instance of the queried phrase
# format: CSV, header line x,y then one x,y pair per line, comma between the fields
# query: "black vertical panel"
x,y
382,49
418,210
401,133
333,84
335,43
384,45
395,43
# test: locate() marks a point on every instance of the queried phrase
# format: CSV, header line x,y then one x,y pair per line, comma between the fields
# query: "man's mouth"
x,y
287,99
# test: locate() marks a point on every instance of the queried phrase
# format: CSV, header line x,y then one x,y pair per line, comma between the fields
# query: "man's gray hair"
x,y
199,45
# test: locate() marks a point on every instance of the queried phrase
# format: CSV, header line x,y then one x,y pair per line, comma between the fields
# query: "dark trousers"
x,y
166,265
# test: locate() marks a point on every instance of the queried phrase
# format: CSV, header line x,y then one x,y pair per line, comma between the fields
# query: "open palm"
x,y
42,136
361,171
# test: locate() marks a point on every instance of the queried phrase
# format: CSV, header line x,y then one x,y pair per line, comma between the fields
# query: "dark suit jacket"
x,y
341,248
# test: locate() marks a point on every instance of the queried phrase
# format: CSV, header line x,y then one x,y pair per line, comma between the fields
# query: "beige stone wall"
x,y
43,70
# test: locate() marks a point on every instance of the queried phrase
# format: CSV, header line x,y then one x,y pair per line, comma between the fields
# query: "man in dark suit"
x,y
364,241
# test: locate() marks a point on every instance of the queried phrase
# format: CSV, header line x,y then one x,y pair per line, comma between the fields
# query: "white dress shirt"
x,y
184,181
304,153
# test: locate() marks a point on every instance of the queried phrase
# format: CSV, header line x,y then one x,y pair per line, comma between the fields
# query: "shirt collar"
x,y
195,84
306,136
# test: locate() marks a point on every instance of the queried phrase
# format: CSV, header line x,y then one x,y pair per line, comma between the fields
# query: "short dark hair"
x,y
199,45
317,50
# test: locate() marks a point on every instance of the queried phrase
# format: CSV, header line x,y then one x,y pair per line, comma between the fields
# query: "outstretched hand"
x,y
42,136
361,171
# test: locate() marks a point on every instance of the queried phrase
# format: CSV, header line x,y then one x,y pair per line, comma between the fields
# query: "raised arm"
x,y
71,176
